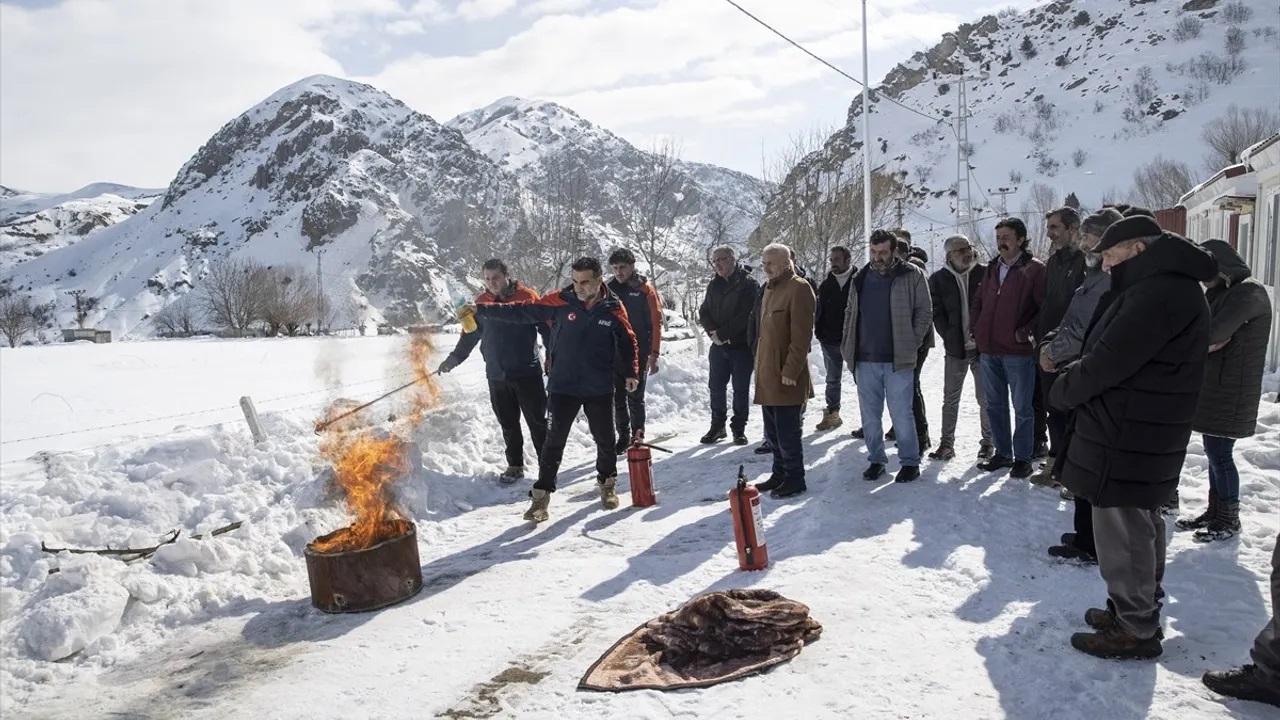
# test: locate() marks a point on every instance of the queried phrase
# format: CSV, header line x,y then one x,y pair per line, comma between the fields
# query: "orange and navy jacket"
x,y
585,342
508,351
644,311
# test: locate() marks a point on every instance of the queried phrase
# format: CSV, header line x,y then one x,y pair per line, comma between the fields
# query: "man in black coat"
x,y
953,289
725,316
1134,392
833,298
1064,271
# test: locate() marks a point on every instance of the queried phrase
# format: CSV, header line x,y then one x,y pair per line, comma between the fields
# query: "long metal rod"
x,y
866,138
321,426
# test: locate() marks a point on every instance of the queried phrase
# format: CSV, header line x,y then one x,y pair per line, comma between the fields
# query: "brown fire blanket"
x,y
713,638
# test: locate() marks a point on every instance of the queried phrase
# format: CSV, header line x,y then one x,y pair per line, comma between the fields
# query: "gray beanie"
x,y
1097,223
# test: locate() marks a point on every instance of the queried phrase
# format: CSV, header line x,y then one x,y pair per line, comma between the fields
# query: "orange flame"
x,y
368,463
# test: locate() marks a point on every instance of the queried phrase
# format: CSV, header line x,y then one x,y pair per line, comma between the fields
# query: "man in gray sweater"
x,y
887,318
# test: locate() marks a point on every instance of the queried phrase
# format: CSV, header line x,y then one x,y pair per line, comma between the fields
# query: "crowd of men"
x,y
1101,360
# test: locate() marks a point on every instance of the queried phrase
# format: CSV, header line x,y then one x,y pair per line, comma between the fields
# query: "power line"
x,y
846,75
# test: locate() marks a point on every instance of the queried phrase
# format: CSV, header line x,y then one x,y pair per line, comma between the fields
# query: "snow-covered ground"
x,y
937,598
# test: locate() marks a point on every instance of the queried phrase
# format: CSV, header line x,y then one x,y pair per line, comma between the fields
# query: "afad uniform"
x,y
644,310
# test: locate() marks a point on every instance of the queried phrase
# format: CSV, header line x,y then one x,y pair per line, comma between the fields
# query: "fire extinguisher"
x,y
748,524
640,472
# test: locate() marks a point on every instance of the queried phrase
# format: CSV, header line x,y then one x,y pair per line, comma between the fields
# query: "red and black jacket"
x,y
584,341
644,312
508,352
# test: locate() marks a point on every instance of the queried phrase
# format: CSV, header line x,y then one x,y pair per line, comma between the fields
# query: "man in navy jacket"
x,y
511,365
589,329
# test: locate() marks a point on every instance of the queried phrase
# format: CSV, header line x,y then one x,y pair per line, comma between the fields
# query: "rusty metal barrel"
x,y
368,579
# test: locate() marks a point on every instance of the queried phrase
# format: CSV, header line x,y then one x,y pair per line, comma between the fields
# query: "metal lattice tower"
x,y
966,220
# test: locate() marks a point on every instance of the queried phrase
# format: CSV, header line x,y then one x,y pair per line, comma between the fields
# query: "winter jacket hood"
x,y
587,343
1241,317
1136,387
508,351
910,315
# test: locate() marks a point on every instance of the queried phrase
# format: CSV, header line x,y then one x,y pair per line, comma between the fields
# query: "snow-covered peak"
x,y
516,133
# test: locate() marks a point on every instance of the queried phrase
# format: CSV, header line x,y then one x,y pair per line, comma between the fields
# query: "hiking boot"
x,y
1203,519
1068,538
892,434
986,451
608,492
773,483
714,435
874,471
1113,642
944,452
1040,452
907,474
1224,526
766,448
858,434
997,462
537,511
830,420
512,474
1066,494
739,438
788,488
1243,683
1068,551
1021,469
1097,618
1044,478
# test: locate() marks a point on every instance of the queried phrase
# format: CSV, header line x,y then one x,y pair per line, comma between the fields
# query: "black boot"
x,y
1224,526
714,435
1243,683
1203,519
789,488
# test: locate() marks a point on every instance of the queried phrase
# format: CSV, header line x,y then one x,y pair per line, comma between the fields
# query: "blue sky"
x,y
127,90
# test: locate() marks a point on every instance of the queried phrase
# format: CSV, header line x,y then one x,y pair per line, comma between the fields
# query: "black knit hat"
x,y
1135,210
1097,223
1121,208
1133,227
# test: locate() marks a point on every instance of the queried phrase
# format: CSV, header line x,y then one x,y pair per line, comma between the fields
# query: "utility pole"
x,y
319,289
898,210
81,313
866,138
965,220
1004,192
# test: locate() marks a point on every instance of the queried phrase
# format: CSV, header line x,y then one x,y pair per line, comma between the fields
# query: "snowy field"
x,y
937,598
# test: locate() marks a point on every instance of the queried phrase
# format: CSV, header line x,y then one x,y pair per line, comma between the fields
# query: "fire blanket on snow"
x,y
714,638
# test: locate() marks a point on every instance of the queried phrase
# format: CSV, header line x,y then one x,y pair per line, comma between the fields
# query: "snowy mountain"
x,y
540,140
15,204
1075,95
29,236
322,166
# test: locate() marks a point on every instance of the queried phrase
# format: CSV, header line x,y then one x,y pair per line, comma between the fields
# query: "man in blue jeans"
x,y
887,319
1004,316
833,297
724,315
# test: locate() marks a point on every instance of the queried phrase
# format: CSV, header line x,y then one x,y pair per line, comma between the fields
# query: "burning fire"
x,y
369,462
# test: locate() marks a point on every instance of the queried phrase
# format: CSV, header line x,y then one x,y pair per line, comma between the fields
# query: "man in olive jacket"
x,y
1241,323
1134,392
783,384
887,319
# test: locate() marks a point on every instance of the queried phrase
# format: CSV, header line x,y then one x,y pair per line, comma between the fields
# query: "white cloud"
x,y
484,9
405,27
554,7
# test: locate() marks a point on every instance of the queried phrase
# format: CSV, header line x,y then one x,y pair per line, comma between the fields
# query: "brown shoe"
x,y
1114,642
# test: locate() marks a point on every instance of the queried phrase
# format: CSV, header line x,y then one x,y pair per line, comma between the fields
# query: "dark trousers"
x,y
782,430
628,407
917,403
562,410
1083,522
1266,648
1039,414
511,399
1055,420
736,364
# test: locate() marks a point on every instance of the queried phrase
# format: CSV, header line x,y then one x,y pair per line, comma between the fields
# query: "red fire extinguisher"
x,y
640,472
748,524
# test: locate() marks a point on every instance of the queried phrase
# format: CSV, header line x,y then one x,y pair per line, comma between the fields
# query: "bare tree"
x,y
231,292
1161,182
1229,135
552,232
290,299
656,205
180,318
17,318
1041,200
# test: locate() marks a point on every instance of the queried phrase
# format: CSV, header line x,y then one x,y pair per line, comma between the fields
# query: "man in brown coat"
x,y
783,384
